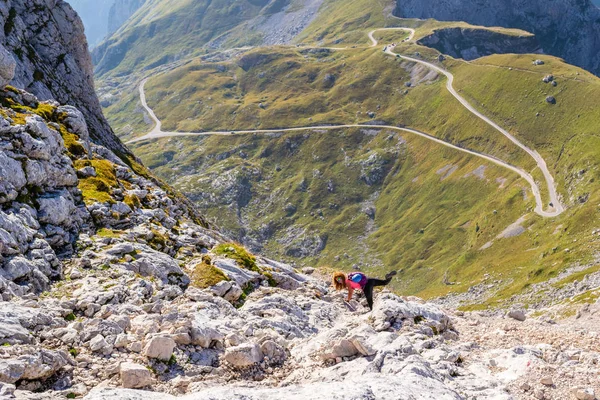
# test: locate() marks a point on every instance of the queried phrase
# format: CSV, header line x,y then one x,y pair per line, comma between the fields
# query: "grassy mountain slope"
x,y
164,31
437,231
379,200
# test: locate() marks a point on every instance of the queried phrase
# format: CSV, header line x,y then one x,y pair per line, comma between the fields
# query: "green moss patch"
x,y
97,188
207,275
239,254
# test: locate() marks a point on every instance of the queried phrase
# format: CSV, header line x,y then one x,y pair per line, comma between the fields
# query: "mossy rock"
x,y
239,254
206,275
97,188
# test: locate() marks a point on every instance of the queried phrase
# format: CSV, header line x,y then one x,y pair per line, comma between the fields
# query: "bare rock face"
x,y
564,28
7,67
469,44
47,41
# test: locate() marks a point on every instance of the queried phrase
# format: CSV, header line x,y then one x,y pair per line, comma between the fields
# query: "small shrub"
x,y
70,317
73,352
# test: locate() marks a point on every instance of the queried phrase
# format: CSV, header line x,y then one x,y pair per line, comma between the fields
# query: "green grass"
x,y
206,275
239,254
97,188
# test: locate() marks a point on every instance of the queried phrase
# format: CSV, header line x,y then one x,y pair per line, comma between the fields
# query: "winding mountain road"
x,y
555,209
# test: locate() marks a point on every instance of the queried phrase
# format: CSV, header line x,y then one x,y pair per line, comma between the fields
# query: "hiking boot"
x,y
390,274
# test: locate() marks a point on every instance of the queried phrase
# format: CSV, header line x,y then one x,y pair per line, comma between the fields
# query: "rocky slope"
x,y
46,38
565,28
470,43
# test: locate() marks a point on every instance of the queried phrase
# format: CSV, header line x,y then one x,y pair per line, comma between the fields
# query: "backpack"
x,y
356,277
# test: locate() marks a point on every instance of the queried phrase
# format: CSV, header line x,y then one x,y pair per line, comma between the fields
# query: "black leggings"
x,y
368,290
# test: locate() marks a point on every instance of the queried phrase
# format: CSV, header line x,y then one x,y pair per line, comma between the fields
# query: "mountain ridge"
x,y
565,28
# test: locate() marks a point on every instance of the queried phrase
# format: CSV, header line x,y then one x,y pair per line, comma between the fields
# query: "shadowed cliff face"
x,y
566,28
47,40
470,44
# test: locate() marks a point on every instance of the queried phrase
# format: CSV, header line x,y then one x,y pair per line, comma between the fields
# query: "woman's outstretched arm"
x,y
350,292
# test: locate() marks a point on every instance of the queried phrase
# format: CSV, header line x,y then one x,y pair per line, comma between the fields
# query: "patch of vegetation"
x,y
70,317
73,352
206,275
272,282
132,201
109,233
97,188
239,254
9,24
158,240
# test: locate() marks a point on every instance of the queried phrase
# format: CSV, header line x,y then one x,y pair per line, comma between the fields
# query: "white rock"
x,y
547,381
204,336
244,355
134,376
160,347
584,394
98,343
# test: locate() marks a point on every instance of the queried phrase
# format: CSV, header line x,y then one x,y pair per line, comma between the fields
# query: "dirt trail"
x,y
553,210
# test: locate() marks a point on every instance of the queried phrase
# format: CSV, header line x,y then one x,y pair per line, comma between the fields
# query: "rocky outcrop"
x,y
120,12
565,28
56,187
47,41
470,43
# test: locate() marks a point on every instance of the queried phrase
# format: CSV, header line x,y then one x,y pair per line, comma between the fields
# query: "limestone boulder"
x,y
134,376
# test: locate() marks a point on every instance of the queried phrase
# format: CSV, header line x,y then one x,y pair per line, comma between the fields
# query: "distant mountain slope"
x,y
565,28
120,12
94,14
162,31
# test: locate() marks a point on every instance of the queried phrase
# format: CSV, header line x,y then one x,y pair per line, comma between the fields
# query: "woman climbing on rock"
x,y
358,280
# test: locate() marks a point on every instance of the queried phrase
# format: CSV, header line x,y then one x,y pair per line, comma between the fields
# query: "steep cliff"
x,y
470,43
566,28
47,40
